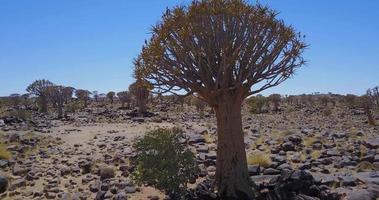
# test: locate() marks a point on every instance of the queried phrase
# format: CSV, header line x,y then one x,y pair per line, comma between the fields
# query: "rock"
x,y
271,171
106,173
50,195
368,177
211,169
100,195
195,139
130,189
65,170
94,187
370,192
263,179
295,139
202,149
290,183
332,152
3,184
15,137
139,119
86,167
17,183
121,196
254,170
2,123
288,146
371,143
348,181
19,171
4,164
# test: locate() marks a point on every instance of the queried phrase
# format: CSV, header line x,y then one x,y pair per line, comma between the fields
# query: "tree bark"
x,y
60,110
232,176
43,104
142,106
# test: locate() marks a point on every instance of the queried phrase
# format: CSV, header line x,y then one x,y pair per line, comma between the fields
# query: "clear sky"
x,y
91,44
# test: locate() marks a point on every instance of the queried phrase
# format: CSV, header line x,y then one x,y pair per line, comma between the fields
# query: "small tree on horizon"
x,y
95,95
110,96
56,94
367,103
124,97
275,99
83,95
68,92
38,89
220,49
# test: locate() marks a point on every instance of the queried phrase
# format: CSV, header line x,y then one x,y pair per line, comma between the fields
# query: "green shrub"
x,y
256,104
73,106
21,114
164,162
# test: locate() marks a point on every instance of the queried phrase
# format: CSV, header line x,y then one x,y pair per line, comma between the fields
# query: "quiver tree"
x,y
83,95
275,99
95,95
256,104
374,95
124,97
110,96
56,94
324,100
220,49
367,104
140,91
67,93
38,88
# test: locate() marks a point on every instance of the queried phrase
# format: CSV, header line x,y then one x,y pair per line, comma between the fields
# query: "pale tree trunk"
x,y
232,176
60,111
43,102
142,106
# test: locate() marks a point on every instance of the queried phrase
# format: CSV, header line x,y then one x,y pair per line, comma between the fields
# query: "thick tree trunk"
x,y
232,176
60,110
142,106
43,100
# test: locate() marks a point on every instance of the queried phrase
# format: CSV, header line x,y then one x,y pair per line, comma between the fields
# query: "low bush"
x,y
73,106
259,158
164,162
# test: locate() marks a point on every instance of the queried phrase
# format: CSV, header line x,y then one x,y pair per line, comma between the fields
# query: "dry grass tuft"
x,y
308,141
209,138
4,153
259,158
315,154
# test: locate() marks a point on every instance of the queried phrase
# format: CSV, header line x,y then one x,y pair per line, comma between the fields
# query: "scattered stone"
x,y
3,184
106,173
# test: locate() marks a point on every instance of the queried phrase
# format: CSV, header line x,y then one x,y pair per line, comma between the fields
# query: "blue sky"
x,y
91,44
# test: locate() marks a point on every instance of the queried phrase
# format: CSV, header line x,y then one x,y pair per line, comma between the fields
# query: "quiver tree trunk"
x,y
142,105
60,110
43,104
232,176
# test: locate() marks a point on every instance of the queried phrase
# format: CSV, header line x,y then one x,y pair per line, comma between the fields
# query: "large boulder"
x,y
293,184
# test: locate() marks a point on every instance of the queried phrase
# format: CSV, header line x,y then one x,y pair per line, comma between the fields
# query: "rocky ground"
x,y
298,151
